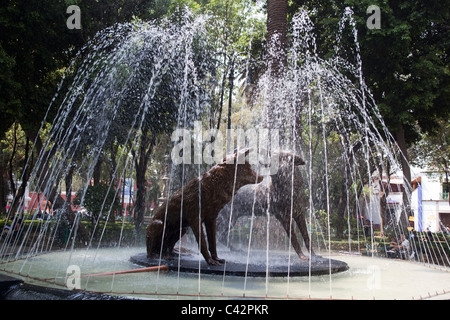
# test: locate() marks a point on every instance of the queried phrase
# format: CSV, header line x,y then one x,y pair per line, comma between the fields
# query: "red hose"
x,y
147,269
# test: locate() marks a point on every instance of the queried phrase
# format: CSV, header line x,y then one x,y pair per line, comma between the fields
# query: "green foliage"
x,y
113,233
35,44
99,199
8,86
409,72
405,63
234,24
433,150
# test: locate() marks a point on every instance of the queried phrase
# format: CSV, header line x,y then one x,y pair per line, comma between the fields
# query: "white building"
x,y
430,202
429,199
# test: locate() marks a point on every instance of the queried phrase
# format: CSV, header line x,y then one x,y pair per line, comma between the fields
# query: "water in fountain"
x,y
321,110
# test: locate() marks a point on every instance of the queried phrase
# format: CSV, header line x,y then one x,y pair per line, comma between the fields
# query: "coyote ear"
x,y
238,154
246,151
228,159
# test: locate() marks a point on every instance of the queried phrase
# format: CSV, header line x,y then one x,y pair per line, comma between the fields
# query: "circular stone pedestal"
x,y
319,266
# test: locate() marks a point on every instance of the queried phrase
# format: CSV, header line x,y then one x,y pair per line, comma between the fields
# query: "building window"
x,y
445,188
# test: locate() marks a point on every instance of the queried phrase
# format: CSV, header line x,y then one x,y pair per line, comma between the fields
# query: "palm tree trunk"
x,y
277,35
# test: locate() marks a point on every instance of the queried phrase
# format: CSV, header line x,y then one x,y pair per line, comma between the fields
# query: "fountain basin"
x,y
366,278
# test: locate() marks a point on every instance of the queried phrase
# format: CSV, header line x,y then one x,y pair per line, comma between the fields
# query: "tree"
x,y
236,33
411,95
99,200
404,64
409,77
433,150
36,47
